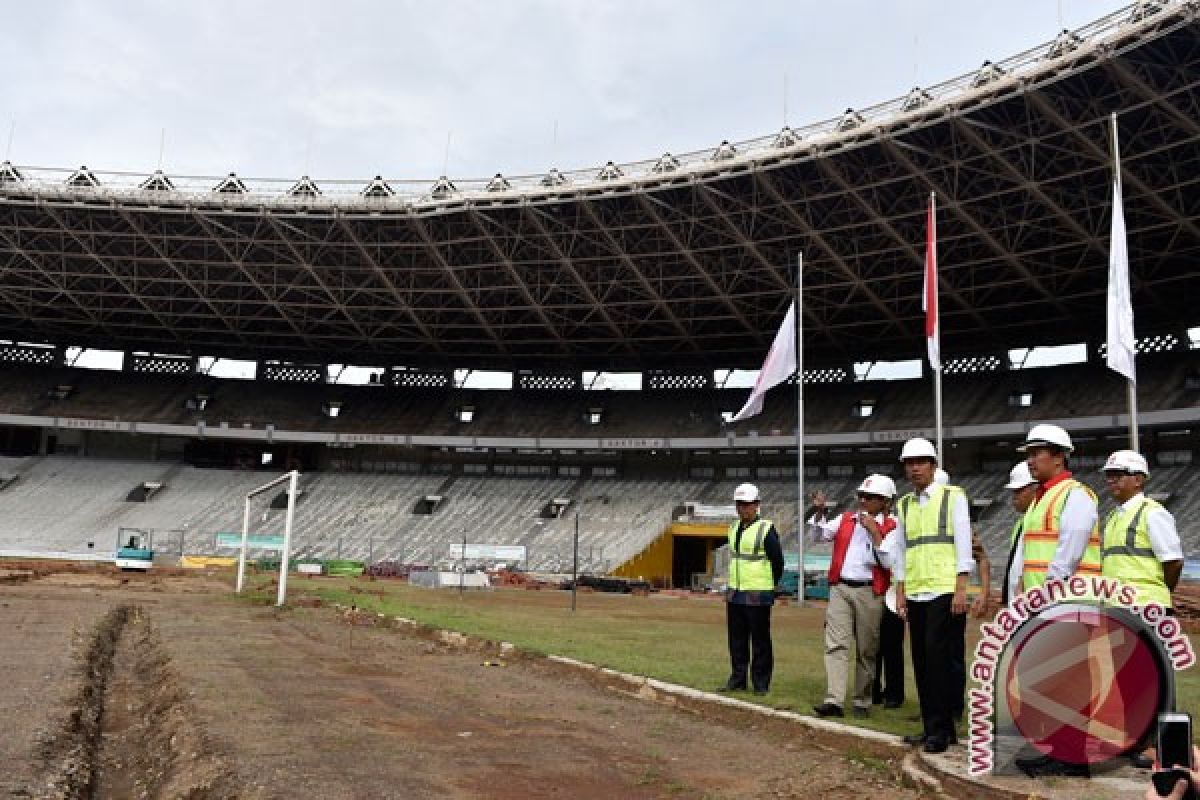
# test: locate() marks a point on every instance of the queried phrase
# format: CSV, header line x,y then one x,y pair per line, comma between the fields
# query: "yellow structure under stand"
x,y
682,550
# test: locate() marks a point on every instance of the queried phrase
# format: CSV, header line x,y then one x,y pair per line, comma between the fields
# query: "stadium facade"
x,y
674,267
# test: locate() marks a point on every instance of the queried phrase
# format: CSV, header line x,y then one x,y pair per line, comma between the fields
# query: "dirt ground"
x,y
163,686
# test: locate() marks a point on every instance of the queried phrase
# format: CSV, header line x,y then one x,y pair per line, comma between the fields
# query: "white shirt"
x,y
1075,525
960,515
860,554
887,549
1160,525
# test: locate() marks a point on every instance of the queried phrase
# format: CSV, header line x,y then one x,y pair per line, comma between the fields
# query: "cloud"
x,y
377,86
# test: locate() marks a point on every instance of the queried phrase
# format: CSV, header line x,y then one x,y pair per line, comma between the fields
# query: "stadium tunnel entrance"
x,y
680,558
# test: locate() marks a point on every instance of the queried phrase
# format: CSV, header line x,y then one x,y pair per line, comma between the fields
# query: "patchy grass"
x,y
672,638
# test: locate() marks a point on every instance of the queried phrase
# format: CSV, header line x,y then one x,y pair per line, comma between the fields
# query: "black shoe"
x,y
935,744
915,738
877,700
1141,761
731,686
760,692
828,710
893,703
861,713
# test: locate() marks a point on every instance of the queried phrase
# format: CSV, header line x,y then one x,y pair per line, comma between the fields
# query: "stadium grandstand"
x,y
676,269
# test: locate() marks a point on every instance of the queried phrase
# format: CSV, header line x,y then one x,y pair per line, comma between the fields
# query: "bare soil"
x,y
163,686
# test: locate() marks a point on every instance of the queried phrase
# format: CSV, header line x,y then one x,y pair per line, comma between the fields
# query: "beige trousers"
x,y
854,615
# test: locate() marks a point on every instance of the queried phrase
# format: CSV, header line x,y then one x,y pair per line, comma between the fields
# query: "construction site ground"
x,y
164,685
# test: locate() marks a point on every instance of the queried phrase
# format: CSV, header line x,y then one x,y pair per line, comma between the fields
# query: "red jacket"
x,y
880,577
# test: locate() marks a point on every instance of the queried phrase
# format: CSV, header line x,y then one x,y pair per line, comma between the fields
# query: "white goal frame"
x,y
293,479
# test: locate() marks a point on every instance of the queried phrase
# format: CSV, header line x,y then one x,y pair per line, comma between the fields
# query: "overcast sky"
x,y
355,88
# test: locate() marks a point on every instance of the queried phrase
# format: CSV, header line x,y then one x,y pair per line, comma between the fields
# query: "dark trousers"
x,y
889,663
958,673
749,629
936,637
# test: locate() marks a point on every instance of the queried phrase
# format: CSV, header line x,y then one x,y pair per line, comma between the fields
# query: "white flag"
x,y
1122,345
779,366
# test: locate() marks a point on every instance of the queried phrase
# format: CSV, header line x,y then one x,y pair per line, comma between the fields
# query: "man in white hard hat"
x,y
1024,490
1141,545
857,582
931,566
755,568
1061,536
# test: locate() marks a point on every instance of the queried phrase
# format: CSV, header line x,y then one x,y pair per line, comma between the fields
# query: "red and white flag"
x,y
929,297
779,366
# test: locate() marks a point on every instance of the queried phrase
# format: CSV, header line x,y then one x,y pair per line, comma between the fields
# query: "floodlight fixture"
x,y
83,178
231,185
158,182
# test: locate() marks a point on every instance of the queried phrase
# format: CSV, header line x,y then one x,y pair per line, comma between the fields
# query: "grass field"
x,y
675,638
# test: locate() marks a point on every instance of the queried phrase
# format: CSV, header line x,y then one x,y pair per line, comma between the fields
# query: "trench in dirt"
x,y
130,730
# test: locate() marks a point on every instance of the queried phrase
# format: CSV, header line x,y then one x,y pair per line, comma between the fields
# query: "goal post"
x,y
293,479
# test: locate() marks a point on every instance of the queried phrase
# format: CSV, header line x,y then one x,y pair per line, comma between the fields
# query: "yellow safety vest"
x,y
1128,556
749,567
930,560
1042,522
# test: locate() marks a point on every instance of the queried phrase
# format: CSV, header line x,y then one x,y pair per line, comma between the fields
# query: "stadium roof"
x,y
679,261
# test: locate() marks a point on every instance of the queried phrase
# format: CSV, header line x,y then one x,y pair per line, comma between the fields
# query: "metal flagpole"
x,y
575,562
1130,386
800,526
937,330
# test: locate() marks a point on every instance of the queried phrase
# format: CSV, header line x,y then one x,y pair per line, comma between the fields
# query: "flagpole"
x,y
1130,386
937,332
800,526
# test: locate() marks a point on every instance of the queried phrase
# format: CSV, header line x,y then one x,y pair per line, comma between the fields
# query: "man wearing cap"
x,y
931,565
1024,490
857,583
1060,530
755,568
1141,545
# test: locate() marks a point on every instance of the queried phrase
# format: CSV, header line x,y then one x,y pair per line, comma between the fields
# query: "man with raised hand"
x,y
932,563
857,582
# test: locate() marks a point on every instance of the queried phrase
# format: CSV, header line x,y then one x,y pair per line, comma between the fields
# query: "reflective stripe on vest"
x,y
1124,560
931,560
1042,524
749,567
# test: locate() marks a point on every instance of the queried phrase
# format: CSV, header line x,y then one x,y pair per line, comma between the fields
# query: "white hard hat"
x,y
1047,435
1019,477
918,448
746,493
941,476
881,485
1127,461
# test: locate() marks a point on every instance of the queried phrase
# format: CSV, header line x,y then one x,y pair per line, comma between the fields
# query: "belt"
x,y
854,584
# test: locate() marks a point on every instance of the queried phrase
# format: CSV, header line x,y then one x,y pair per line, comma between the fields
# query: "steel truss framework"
x,y
690,273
